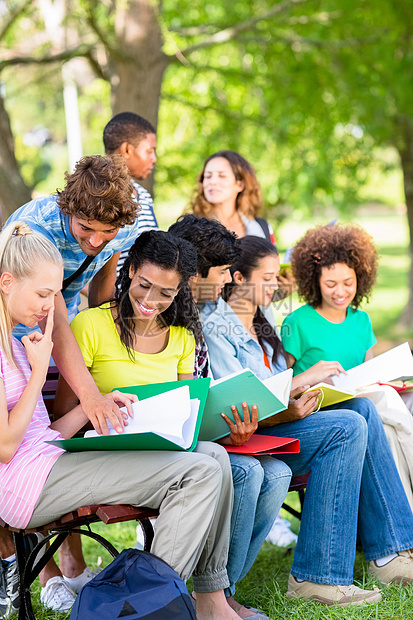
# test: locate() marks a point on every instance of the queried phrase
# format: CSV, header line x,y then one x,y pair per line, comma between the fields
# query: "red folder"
x,y
266,444
399,386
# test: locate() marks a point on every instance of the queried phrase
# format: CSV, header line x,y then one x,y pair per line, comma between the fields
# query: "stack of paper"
x,y
171,415
394,364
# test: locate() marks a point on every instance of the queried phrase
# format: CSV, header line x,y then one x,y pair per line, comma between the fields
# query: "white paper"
x,y
188,429
280,385
386,367
171,415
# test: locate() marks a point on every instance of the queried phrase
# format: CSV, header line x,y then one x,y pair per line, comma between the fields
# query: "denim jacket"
x,y
231,348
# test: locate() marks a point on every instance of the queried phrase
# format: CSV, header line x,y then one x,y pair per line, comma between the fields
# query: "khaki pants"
x,y
192,490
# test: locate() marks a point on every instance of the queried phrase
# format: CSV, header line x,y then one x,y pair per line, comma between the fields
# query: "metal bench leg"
x,y
28,568
292,511
301,495
25,612
148,533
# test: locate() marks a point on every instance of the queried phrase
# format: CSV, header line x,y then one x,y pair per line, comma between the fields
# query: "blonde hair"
x,y
20,250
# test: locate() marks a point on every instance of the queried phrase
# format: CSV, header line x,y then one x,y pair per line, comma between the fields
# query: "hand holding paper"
x,y
300,405
323,371
270,396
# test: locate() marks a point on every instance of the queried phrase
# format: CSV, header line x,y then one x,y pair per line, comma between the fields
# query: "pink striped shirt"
x,y
23,478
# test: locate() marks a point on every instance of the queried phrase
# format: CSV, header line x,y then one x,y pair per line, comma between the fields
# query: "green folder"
x,y
198,388
241,387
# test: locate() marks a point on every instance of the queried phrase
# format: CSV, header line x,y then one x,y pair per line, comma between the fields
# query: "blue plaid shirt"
x,y
44,216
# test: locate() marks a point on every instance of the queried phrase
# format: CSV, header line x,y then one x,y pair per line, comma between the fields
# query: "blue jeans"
x,y
353,484
260,487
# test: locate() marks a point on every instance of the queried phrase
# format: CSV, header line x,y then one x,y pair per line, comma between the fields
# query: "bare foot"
x,y
242,611
213,606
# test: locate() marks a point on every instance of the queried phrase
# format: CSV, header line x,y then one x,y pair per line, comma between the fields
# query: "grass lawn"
x,y
266,583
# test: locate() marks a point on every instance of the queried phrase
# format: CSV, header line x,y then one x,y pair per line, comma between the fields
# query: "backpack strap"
x,y
68,281
264,225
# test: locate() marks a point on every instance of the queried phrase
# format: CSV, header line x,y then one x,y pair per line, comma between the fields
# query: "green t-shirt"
x,y
310,338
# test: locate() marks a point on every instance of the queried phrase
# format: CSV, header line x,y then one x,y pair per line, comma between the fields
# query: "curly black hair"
x,y
125,127
215,244
325,246
168,252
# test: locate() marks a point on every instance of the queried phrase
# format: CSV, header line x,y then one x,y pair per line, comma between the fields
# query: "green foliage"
x,y
290,95
305,95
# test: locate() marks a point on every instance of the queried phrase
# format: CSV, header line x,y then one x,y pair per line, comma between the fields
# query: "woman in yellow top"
x,y
147,334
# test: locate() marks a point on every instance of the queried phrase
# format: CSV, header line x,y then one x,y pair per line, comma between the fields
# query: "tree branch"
x,y
293,38
81,50
223,36
323,17
235,116
194,31
233,73
317,18
97,67
12,17
90,17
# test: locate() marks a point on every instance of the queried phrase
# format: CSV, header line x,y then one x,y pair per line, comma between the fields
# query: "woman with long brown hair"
x,y
228,190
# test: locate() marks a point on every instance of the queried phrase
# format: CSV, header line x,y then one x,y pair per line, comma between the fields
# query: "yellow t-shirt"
x,y
108,359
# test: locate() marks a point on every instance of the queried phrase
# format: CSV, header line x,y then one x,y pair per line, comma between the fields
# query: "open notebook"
x,y
167,416
171,415
395,364
270,395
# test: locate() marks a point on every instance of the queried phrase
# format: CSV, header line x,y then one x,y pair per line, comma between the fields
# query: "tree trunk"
x,y
406,156
13,190
140,66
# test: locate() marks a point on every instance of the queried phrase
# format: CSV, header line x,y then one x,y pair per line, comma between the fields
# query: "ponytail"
x,y
20,251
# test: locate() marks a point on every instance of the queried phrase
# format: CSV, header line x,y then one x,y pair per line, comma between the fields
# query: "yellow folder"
x,y
330,395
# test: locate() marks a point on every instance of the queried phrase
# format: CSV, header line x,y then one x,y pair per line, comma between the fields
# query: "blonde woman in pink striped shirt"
x,y
39,483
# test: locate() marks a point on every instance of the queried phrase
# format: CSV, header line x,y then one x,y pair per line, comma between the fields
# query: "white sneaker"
x,y
78,582
57,595
280,534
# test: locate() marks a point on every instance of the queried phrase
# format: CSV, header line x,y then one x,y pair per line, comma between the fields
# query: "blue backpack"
x,y
137,584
